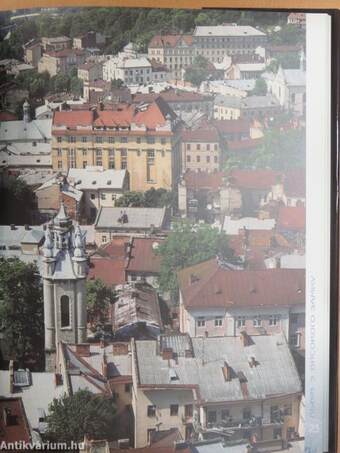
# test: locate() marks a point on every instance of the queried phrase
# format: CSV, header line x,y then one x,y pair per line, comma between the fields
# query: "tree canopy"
x,y
199,71
186,245
18,202
152,198
260,88
21,310
98,299
72,417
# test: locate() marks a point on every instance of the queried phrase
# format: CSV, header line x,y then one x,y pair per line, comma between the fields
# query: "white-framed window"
x,y
201,321
257,321
274,320
103,196
218,321
241,321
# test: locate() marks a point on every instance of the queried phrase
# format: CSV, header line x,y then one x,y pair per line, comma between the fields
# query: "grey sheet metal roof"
x,y
35,130
227,30
19,234
254,102
137,218
274,375
95,178
228,101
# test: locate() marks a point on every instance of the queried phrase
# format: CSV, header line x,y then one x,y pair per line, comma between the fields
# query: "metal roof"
x,y
227,30
19,234
274,374
233,226
95,178
137,218
35,130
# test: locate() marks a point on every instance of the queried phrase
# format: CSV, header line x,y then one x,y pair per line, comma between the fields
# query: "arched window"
x,y
65,311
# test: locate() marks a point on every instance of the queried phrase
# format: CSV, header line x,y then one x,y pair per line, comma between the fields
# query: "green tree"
x,y
186,245
117,83
131,199
98,299
158,198
76,86
260,88
198,72
21,310
71,417
61,82
18,202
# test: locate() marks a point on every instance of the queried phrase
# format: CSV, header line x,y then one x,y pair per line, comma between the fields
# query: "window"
x,y
198,158
113,197
127,388
65,311
92,196
208,147
99,139
198,147
59,152
163,140
218,321
277,433
103,196
111,139
84,163
294,340
201,321
212,417
123,139
188,158
151,411
84,139
287,409
274,320
60,164
188,146
208,159
59,139
188,410
173,409
104,239
215,147
150,140
151,153
257,321
139,139
225,414
241,321
215,159
84,152
71,139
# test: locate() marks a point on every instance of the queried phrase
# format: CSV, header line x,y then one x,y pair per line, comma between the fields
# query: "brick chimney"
x,y
104,366
252,362
11,376
83,349
227,372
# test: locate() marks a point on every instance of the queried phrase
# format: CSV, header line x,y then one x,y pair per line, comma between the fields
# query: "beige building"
x,y
32,53
201,150
142,139
197,383
175,51
57,43
88,72
62,61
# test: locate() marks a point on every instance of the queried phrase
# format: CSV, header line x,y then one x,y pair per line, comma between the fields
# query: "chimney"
x,y
83,349
167,354
226,372
245,339
120,348
11,376
12,226
58,379
27,227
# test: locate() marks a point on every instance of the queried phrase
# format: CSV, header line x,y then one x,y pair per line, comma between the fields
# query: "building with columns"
x,y
64,276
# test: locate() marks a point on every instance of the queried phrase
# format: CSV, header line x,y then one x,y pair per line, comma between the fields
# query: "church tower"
x,y
64,276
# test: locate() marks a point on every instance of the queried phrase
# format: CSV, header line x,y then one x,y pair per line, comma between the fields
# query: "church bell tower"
x,y
64,276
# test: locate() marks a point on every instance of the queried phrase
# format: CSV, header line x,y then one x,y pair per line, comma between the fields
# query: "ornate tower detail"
x,y
64,275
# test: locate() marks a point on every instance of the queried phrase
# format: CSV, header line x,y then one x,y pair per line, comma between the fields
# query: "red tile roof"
x,y
170,40
215,286
108,263
254,179
203,180
66,53
292,218
18,430
171,95
143,257
201,135
73,118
